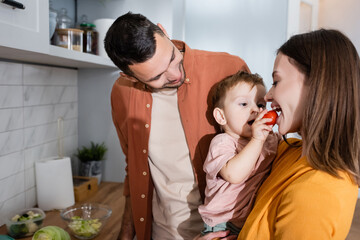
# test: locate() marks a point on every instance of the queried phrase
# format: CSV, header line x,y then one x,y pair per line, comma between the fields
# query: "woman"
x,y
313,186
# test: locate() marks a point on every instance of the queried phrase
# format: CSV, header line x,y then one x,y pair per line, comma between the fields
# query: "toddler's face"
x,y
241,106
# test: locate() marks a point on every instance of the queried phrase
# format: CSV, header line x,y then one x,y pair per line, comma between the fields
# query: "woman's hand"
x,y
223,235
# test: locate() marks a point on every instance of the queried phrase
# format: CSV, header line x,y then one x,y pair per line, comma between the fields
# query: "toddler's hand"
x,y
260,130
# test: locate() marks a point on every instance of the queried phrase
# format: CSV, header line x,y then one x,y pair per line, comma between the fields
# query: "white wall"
x,y
178,24
252,30
341,15
95,122
158,11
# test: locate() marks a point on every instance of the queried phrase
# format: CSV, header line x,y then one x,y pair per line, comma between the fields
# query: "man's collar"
x,y
179,45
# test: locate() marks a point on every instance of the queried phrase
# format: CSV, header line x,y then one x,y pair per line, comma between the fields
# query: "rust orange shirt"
x,y
131,110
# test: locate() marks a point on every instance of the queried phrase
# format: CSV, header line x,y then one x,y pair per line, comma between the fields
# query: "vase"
x,y
91,169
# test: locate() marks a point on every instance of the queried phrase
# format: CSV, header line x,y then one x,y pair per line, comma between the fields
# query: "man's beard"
x,y
177,85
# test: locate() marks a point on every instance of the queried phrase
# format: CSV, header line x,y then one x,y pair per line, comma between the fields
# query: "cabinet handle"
x,y
13,3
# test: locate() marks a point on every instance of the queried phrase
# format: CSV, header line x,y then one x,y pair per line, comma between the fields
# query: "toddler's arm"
x,y
239,168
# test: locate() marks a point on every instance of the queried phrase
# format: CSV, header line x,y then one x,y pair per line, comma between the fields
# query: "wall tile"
x,y
11,141
66,110
49,132
10,73
50,149
70,145
41,95
65,76
11,164
12,186
37,115
11,206
11,118
70,149
11,96
30,198
70,95
30,178
40,134
70,127
42,75
40,152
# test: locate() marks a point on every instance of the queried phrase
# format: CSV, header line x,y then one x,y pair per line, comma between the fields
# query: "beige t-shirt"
x,y
176,195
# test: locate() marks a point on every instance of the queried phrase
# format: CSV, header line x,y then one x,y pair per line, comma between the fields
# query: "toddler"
x,y
240,157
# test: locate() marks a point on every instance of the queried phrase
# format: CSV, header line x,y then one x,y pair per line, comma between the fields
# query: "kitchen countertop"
x,y
109,193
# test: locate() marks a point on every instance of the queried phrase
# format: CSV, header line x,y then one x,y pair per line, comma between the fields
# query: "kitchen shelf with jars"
x,y
35,35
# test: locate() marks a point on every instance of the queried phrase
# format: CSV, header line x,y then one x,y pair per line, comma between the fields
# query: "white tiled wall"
x,y
32,98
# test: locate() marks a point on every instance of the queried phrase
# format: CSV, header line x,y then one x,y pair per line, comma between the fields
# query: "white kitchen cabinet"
x,y
24,36
25,29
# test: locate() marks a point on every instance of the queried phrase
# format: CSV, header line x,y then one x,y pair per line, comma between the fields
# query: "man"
x,y
159,107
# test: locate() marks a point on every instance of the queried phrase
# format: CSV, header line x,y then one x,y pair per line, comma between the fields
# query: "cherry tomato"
x,y
271,114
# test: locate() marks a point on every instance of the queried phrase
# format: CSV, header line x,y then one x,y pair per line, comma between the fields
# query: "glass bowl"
x,y
24,223
86,220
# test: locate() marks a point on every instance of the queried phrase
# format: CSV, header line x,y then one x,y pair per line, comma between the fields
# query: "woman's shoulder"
x,y
317,197
315,178
321,186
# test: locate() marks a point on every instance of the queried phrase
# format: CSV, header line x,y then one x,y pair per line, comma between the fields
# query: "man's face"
x,y
164,70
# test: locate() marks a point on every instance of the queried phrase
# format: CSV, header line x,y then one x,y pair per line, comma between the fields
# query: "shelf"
x,y
79,59
57,56
26,39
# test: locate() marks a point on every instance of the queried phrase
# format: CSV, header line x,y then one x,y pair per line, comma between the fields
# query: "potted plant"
x,y
91,160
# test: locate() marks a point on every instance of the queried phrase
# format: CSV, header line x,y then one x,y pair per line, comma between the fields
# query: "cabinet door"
x,y
26,29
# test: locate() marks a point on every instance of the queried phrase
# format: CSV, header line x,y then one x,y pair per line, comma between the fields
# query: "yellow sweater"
x,y
299,202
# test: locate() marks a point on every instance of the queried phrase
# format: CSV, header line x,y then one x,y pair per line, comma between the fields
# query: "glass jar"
x,y
64,21
70,38
90,38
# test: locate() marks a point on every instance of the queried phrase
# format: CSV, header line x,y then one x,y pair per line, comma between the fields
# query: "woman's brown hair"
x,y
330,127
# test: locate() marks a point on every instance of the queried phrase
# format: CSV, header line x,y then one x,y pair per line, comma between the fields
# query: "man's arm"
x,y
119,115
127,231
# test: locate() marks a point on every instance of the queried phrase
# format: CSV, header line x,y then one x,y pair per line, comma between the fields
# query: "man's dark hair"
x,y
130,39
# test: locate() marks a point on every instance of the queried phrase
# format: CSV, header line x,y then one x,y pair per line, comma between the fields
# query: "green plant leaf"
x,y
96,152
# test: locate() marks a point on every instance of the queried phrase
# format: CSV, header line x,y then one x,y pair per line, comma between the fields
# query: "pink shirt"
x,y
226,202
